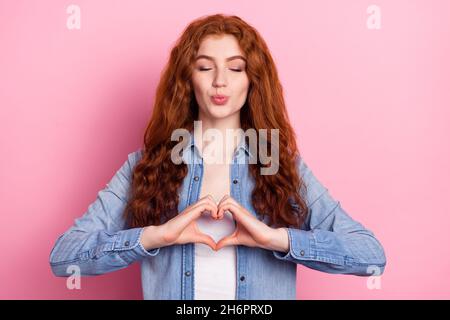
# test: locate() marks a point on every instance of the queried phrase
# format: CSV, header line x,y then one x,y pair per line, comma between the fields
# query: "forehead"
x,y
220,46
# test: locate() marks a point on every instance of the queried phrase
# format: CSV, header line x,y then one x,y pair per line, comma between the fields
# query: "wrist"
x,y
280,240
151,238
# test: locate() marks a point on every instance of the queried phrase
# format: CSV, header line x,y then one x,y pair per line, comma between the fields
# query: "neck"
x,y
224,137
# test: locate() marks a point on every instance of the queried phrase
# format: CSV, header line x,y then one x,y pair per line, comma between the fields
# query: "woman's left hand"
x,y
249,230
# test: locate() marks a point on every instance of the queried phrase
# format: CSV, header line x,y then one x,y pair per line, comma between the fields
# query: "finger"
x,y
248,222
224,198
220,214
195,213
233,201
207,196
233,209
227,200
223,208
208,199
210,203
206,208
212,211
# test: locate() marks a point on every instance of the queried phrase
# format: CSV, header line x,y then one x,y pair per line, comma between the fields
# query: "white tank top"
x,y
215,271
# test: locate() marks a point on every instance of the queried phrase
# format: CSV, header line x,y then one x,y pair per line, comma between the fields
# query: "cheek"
x,y
242,87
200,83
200,91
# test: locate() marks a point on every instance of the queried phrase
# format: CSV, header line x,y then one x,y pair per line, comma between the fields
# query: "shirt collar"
x,y
242,144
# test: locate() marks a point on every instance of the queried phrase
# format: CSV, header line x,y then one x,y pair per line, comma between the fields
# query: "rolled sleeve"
x,y
300,244
128,245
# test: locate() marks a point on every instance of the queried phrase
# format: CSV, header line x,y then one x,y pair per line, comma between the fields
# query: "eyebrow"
x,y
212,59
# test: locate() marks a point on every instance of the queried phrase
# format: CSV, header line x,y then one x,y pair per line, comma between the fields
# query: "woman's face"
x,y
220,69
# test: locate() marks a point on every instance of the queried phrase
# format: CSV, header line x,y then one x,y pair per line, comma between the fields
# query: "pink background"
x,y
370,107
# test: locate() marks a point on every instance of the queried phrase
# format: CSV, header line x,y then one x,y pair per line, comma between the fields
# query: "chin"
x,y
220,112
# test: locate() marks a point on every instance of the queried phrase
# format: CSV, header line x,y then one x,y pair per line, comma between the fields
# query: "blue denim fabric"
x,y
329,240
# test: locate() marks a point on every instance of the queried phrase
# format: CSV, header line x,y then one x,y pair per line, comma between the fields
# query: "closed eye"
x,y
207,69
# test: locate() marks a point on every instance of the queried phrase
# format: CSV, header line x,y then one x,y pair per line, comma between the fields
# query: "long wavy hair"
x,y
156,179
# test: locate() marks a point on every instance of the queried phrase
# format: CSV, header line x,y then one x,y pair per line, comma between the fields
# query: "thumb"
x,y
227,241
205,239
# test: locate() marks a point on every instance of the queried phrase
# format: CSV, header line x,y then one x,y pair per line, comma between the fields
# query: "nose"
x,y
220,79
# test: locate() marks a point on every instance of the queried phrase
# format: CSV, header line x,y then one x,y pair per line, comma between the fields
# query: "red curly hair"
x,y
156,179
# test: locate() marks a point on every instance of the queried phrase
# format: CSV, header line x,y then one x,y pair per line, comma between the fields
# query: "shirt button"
x,y
242,278
302,253
187,273
196,178
127,243
235,181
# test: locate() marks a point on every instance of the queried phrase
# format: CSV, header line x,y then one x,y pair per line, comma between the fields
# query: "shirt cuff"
x,y
128,245
301,244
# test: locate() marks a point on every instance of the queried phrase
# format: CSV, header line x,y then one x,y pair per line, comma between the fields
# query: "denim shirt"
x,y
329,240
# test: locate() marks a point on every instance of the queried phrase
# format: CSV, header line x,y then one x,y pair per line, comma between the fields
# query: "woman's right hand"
x,y
182,228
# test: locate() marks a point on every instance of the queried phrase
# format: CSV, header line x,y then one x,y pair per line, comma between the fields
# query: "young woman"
x,y
217,229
